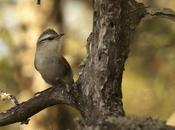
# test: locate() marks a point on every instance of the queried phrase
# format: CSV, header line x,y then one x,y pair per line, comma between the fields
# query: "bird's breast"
x,y
45,60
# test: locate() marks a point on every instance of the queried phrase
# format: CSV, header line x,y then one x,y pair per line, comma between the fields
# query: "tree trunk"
x,y
108,47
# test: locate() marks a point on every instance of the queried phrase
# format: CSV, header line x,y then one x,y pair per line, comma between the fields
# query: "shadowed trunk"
x,y
108,47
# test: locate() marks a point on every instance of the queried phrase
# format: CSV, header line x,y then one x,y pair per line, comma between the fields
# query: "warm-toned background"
x,y
148,84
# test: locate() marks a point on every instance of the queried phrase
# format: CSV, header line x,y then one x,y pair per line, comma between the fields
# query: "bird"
x,y
49,61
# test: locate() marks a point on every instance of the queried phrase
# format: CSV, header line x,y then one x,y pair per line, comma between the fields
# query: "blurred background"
x,y
148,84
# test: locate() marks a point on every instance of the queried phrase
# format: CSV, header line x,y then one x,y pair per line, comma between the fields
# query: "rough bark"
x,y
97,93
114,22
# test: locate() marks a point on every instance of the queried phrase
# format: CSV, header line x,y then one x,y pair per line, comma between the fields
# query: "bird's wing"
x,y
67,71
65,63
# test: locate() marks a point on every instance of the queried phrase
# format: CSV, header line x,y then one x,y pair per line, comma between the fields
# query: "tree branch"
x,y
161,13
125,123
52,96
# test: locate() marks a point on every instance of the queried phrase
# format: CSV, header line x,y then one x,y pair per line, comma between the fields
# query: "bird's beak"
x,y
59,35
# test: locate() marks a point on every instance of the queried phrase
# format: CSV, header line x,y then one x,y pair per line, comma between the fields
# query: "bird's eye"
x,y
46,38
50,38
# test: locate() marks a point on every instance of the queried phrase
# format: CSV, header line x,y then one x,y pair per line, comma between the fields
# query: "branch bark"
x,y
52,96
123,123
161,13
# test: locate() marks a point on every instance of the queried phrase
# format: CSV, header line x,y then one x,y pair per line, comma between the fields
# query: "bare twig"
x,y
161,13
7,96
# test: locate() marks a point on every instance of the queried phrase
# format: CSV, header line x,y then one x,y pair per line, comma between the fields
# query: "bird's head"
x,y
48,36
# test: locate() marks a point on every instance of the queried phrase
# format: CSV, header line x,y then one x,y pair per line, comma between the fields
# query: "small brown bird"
x,y
52,66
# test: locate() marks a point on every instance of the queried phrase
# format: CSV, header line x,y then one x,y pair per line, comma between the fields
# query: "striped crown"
x,y
48,34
